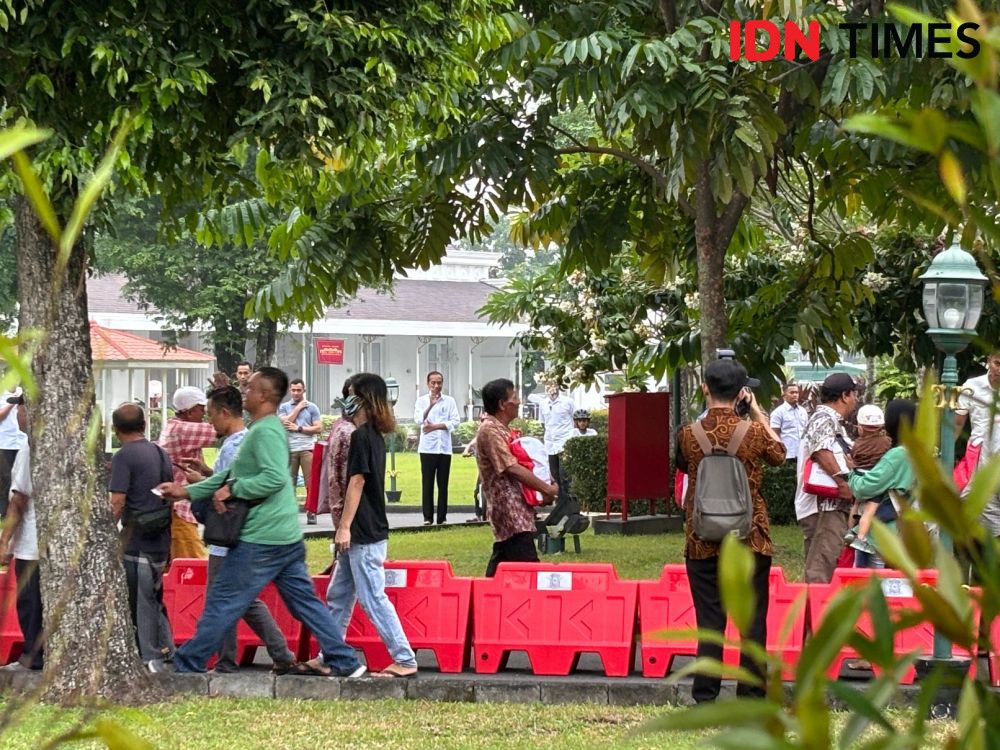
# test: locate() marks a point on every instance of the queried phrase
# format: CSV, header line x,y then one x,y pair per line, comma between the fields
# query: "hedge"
x,y
778,490
585,461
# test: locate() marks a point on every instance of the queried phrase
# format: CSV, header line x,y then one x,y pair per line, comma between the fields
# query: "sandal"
x,y
307,669
859,665
396,671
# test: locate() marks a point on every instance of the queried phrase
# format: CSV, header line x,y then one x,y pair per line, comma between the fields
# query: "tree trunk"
x,y
267,335
229,343
713,233
90,651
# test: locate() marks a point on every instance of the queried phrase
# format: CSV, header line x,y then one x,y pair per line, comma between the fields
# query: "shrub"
x,y
327,421
599,420
778,489
585,461
528,427
402,433
465,431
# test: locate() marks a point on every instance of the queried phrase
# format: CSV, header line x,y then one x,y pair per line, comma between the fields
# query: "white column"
x,y
145,398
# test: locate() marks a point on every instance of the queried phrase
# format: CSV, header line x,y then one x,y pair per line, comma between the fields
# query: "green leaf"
x,y
19,138
890,546
838,623
89,195
713,668
890,129
736,567
36,195
984,485
952,176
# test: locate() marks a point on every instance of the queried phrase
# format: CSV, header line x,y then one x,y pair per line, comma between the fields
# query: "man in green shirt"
x,y
270,546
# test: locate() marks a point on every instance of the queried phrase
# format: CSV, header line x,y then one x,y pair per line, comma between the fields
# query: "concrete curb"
x,y
434,686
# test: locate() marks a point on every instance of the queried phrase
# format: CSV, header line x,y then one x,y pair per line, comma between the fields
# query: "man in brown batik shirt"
x,y
726,383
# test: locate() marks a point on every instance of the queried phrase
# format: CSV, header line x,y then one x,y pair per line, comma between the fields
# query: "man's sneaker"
x,y
427,523
310,518
358,672
156,666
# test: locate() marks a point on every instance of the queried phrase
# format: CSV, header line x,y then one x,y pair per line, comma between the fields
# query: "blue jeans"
x,y
867,560
360,575
248,569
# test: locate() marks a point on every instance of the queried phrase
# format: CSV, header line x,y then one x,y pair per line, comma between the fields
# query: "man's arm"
x,y
342,539
15,514
452,420
5,410
829,464
960,419
117,505
316,426
528,478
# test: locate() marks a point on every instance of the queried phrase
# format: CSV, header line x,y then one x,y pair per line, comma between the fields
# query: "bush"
x,y
528,427
465,431
402,433
327,421
585,461
778,490
599,420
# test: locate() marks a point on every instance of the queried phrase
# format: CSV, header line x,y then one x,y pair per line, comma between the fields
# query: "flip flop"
x,y
305,669
393,672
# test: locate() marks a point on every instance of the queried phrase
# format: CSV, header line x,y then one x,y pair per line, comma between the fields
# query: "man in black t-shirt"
x,y
136,469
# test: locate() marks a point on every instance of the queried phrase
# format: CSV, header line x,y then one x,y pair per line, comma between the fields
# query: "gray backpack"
x,y
722,502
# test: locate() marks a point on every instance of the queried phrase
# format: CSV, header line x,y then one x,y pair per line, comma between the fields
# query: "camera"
x,y
725,354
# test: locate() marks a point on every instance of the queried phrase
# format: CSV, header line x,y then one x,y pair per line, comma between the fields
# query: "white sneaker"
x,y
156,665
356,673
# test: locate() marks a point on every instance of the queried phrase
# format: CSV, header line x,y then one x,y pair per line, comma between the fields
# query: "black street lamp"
x,y
393,495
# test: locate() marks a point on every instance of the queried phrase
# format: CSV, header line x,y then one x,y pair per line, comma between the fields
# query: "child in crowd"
x,y
871,445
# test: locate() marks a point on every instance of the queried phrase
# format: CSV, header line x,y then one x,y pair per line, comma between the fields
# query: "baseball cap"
x,y
189,396
839,382
727,376
870,415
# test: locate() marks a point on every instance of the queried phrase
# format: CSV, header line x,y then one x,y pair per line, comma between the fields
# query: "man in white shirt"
x,y
437,416
19,541
555,410
789,420
978,404
303,423
11,440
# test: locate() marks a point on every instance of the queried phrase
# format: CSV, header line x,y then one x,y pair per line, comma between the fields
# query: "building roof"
x,y
110,345
408,300
418,299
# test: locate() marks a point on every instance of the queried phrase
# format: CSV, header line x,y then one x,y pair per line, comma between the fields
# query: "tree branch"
x,y
668,11
658,177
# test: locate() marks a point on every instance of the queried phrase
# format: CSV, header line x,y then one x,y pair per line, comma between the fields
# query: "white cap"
x,y
188,397
870,415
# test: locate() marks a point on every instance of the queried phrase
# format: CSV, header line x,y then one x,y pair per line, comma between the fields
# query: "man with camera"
x,y
753,442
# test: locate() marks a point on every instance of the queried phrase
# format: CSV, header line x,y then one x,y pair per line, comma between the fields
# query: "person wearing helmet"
x,y
581,423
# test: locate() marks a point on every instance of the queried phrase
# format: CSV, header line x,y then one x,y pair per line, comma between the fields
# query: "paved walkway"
x,y
401,518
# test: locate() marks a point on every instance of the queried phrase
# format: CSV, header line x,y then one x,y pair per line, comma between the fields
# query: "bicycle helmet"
x,y
581,414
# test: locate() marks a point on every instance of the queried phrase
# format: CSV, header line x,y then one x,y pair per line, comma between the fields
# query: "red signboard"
x,y
330,351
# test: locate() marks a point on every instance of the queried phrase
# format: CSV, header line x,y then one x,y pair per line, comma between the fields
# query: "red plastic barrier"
x,y
554,613
11,639
315,473
184,589
433,606
899,596
666,604
994,655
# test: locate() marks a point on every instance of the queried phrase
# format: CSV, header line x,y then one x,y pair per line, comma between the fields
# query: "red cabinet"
x,y
638,449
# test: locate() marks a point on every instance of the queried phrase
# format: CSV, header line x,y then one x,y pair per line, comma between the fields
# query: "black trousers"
x,y
435,466
519,548
703,575
29,611
6,464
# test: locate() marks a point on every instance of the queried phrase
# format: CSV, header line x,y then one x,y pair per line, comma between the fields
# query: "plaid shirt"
x,y
182,439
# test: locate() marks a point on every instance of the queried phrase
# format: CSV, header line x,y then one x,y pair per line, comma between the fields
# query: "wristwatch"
x,y
300,428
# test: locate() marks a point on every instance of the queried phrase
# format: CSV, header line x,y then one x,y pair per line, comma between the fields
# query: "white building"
x,y
428,321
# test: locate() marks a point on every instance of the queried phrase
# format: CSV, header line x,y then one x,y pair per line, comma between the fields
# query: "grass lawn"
x,y
460,485
208,724
468,549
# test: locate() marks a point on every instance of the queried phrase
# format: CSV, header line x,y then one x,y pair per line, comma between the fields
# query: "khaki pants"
x,y
824,541
303,460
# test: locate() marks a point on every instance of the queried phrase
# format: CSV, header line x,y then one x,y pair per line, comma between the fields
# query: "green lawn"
x,y
208,724
468,549
460,486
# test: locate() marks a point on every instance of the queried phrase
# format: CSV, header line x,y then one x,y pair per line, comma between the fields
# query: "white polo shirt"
x,y
557,417
25,546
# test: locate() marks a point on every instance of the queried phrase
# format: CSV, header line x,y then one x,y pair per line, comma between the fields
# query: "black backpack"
x,y
722,503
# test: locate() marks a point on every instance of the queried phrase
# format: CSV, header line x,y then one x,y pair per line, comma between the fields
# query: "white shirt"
x,y
11,437
979,406
445,412
557,417
590,432
790,421
25,546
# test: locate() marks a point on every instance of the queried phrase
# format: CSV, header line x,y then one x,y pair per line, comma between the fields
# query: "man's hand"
x,y
195,465
223,493
432,426
551,494
844,491
289,425
173,491
342,539
5,554
193,476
